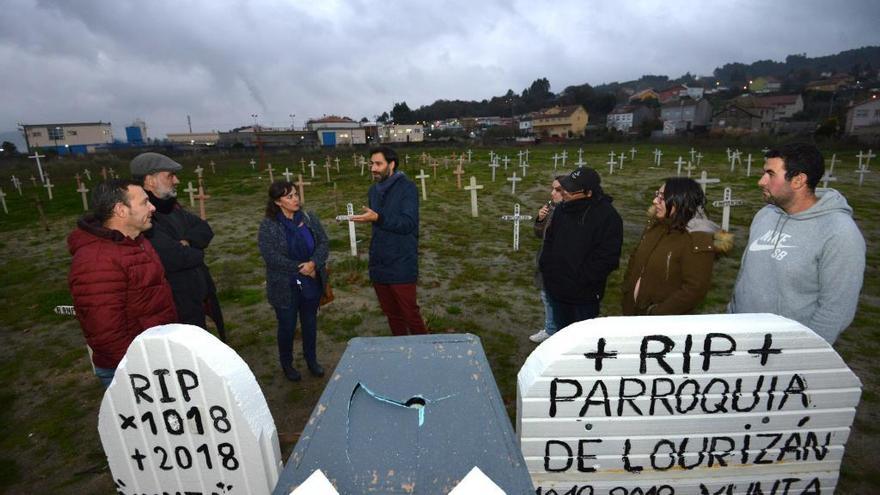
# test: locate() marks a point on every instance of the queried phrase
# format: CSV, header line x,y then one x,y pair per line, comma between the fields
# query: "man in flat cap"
x,y
180,237
581,248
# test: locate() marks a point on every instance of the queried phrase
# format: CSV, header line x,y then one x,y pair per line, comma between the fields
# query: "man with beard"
x,y
180,238
394,258
805,257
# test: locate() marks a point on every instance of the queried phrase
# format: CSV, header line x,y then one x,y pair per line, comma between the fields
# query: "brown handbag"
x,y
327,296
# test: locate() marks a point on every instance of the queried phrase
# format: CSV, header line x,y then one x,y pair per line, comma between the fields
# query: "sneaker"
x,y
539,337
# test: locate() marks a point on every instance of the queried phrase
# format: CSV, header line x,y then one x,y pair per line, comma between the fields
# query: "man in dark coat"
x,y
581,248
116,279
180,237
394,257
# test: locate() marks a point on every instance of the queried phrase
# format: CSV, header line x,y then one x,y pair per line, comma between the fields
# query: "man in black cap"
x,y
180,238
581,248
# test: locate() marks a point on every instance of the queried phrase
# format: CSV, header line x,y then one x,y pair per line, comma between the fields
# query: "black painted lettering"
x,y
682,451
139,391
569,459
624,397
681,394
657,395
771,392
600,354
717,454
812,442
787,482
814,487
582,455
671,454
737,393
627,446
161,373
688,345
766,349
668,344
724,490
173,422
774,439
598,388
708,350
721,405
186,385
796,386
554,396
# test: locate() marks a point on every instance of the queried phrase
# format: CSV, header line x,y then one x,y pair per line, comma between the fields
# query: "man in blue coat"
x,y
394,257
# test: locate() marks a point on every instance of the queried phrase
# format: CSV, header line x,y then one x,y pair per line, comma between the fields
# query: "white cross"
x,y
862,171
36,156
690,168
469,156
513,180
302,165
253,162
213,169
300,185
828,177
632,153
3,201
620,157
555,160
104,173
749,165
191,190
727,202
48,185
699,158
270,170
581,155
287,174
735,158
657,155
336,161
82,190
679,163
422,176
516,218
527,155
473,189
610,164
693,154
519,155
199,171
868,158
458,172
524,166
351,233
493,166
564,157
327,168
460,160
703,181
312,167
505,161
88,174
363,163
860,156
580,162
16,184
491,156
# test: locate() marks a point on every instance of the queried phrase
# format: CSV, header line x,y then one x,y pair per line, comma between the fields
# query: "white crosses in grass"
x,y
270,170
16,183
349,209
36,156
632,153
82,190
829,174
678,164
703,181
727,202
3,201
516,218
253,164
473,189
191,190
610,164
494,165
862,171
749,165
300,185
505,161
513,180
312,166
657,155
690,168
48,185
287,174
422,176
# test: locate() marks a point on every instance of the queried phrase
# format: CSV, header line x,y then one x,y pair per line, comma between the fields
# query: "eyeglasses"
x,y
658,194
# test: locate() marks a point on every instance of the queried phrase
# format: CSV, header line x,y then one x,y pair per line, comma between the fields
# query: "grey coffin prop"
x,y
409,415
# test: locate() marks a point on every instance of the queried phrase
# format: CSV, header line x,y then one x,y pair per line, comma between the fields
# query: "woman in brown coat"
x,y
670,271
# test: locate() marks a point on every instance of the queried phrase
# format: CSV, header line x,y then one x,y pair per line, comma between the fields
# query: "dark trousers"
x,y
564,314
398,302
308,316
194,314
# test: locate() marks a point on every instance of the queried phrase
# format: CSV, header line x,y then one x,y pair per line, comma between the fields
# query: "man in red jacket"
x,y
116,279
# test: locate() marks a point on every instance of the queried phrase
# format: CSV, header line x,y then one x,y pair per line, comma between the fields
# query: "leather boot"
x,y
291,373
316,369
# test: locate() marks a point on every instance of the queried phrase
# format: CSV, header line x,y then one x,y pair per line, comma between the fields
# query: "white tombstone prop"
x,y
352,236
516,218
580,162
611,156
16,183
476,483
473,189
862,171
513,180
703,181
36,156
192,191
253,162
3,201
679,163
316,484
494,165
726,203
184,413
82,190
312,168
287,174
48,185
491,155
860,156
422,176
685,405
632,153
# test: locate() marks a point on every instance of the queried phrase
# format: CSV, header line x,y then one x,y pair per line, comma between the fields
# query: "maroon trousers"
x,y
398,302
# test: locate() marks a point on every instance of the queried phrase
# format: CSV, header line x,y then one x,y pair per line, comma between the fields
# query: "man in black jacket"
x,y
180,238
581,248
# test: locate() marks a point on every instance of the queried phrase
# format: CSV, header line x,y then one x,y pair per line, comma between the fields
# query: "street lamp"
x,y
255,120
292,121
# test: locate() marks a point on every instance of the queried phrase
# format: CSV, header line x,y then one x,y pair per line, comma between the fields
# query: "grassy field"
x,y
471,281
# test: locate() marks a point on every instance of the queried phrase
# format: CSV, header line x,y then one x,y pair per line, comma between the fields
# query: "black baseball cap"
x,y
581,179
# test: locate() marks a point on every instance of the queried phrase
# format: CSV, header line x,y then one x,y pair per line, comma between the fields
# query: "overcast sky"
x,y
220,61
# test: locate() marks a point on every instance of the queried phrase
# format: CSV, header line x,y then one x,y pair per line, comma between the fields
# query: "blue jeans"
x,y
308,316
549,325
105,375
564,314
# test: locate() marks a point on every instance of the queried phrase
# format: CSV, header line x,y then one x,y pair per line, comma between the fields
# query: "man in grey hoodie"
x,y
806,257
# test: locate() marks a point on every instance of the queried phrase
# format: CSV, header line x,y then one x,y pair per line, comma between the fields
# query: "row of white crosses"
x,y
863,167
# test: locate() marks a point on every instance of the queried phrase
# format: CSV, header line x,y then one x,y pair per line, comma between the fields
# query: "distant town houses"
x,y
560,122
68,137
863,118
628,118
